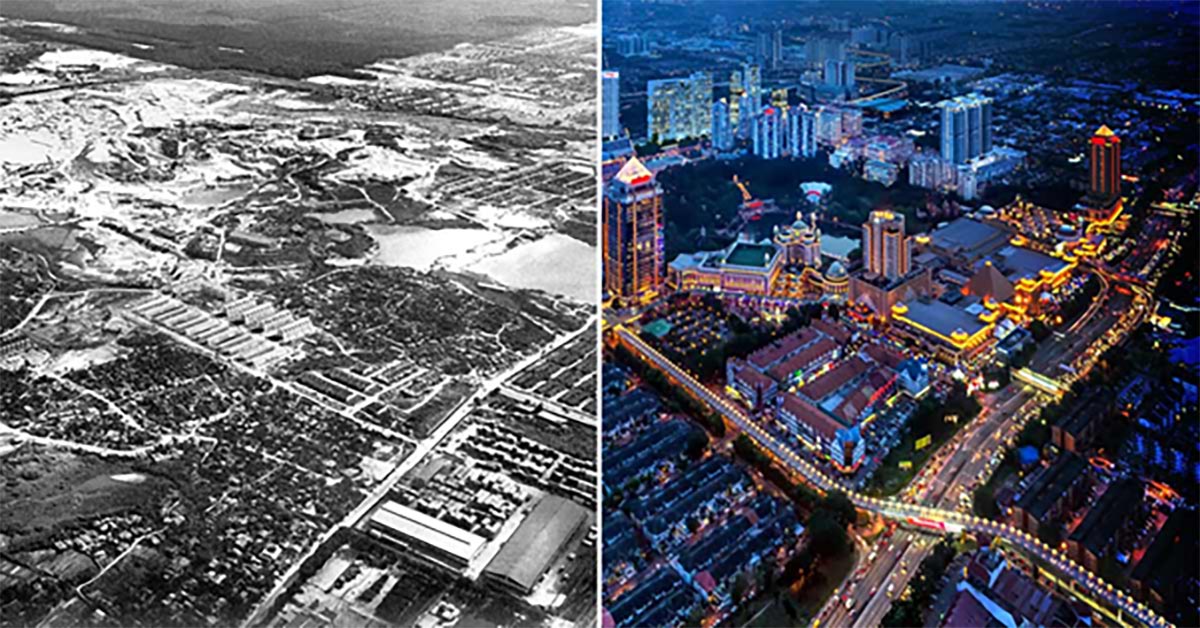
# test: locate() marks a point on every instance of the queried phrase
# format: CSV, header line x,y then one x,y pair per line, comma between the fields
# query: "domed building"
x,y
837,282
800,242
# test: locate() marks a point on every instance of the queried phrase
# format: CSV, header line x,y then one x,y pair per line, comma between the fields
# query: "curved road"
x,y
888,507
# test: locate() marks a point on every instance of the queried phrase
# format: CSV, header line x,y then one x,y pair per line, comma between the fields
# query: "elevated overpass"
x,y
934,519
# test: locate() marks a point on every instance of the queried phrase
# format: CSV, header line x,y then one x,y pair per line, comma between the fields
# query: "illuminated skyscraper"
x,y
748,110
633,234
680,108
1104,184
802,132
736,91
829,126
767,133
752,81
966,128
610,122
722,128
885,247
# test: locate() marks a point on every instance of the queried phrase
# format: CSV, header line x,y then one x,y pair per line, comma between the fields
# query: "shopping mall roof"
x,y
1020,263
970,238
942,318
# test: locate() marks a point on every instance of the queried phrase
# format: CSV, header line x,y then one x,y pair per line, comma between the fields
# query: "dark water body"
x,y
292,38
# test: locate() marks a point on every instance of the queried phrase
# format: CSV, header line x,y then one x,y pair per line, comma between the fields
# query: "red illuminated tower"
x,y
1104,186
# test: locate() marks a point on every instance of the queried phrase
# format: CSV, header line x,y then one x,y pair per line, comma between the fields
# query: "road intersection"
x,y
949,520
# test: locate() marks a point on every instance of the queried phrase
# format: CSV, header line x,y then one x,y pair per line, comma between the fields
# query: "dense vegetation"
x,y
702,198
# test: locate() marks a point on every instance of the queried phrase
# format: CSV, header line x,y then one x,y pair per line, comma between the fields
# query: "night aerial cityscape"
x,y
900,314
599,313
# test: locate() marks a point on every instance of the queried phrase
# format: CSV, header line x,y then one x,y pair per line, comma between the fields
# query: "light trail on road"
x,y
891,508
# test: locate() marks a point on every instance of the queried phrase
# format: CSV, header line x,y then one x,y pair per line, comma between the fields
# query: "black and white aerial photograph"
x,y
298,313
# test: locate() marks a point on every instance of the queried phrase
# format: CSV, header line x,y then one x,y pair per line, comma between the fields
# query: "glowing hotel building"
x,y
633,234
885,247
1105,180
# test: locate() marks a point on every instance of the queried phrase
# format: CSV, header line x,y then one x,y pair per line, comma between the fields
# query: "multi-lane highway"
x,y
950,520
972,451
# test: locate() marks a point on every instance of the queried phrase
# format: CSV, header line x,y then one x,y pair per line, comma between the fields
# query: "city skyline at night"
x,y
930,293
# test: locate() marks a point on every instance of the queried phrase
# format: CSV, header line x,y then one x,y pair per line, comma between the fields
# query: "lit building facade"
x,y
835,125
881,172
752,82
955,335
680,108
743,267
610,113
802,132
767,132
829,126
633,234
885,245
837,283
852,122
842,444
736,91
877,294
779,97
770,268
1104,182
746,118
966,128
968,182
800,242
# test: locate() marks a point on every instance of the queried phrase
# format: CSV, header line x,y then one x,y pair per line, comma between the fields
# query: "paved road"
x,y
953,521
972,450
966,461
423,449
